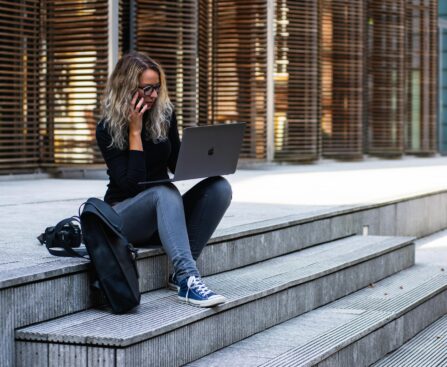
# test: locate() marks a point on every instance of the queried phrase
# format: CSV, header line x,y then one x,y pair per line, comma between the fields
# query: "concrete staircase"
x,y
272,273
164,332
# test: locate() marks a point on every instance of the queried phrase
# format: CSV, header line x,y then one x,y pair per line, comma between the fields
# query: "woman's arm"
x,y
175,143
126,168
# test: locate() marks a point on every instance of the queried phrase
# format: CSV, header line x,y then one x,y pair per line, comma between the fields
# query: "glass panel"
x,y
443,9
415,109
421,74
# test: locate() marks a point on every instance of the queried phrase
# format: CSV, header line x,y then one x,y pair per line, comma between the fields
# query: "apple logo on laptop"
x,y
211,151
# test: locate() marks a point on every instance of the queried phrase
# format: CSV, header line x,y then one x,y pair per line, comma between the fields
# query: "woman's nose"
x,y
154,94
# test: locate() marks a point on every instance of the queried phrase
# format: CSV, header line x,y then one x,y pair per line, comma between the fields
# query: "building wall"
x,y
349,77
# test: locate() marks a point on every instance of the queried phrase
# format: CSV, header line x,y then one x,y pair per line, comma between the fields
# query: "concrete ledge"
x,y
282,296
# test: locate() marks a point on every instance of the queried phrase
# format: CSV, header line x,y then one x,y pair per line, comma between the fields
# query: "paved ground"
x,y
433,249
260,193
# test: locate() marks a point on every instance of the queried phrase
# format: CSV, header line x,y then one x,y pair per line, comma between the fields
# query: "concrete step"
x,y
63,282
165,332
354,331
64,285
428,348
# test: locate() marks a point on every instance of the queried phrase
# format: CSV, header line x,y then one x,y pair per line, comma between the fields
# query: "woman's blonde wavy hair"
x,y
120,89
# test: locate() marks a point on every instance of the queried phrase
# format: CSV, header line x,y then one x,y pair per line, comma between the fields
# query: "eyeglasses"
x,y
148,89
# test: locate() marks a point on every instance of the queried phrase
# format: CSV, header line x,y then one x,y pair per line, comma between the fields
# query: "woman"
x,y
139,141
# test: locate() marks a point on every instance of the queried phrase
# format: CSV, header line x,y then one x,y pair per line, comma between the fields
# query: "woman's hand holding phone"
x,y
137,109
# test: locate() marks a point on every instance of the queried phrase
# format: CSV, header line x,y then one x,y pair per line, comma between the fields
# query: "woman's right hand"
x,y
137,110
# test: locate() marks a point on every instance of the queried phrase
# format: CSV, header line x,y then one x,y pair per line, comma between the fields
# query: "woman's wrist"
x,y
135,133
135,142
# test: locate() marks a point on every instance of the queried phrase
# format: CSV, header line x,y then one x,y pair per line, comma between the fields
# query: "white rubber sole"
x,y
216,300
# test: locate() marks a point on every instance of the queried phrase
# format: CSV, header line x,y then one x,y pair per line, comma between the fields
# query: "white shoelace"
x,y
197,284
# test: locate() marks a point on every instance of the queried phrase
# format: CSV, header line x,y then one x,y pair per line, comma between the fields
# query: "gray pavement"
x,y
260,193
433,250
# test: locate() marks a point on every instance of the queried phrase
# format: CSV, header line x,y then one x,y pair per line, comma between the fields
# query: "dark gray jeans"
x,y
183,224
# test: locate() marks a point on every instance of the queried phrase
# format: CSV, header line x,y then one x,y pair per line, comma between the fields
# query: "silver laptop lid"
x,y
211,150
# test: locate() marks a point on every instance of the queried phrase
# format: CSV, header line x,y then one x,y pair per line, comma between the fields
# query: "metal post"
x,y
270,80
113,34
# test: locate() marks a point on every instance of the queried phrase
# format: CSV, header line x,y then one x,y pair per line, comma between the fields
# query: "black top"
x,y
128,167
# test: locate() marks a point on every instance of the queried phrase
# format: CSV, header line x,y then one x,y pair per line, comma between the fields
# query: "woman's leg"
x,y
205,205
160,208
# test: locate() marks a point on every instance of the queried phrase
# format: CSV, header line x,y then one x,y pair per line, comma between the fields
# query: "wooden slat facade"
x,y
19,85
442,78
75,58
350,77
343,26
386,72
297,80
239,67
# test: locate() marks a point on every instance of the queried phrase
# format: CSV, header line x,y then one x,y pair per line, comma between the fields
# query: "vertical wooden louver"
x,y
126,37
205,39
167,31
442,78
421,76
76,60
342,77
386,75
239,69
19,85
297,89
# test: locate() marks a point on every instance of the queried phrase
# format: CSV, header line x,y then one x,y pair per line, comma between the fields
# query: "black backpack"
x,y
113,258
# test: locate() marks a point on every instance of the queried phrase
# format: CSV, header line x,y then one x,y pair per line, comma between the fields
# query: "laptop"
x,y
207,151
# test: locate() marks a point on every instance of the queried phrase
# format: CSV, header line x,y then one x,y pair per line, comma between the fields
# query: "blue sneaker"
x,y
172,283
195,292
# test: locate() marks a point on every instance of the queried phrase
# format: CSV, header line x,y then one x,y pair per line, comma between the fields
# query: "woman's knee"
x,y
221,188
166,193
